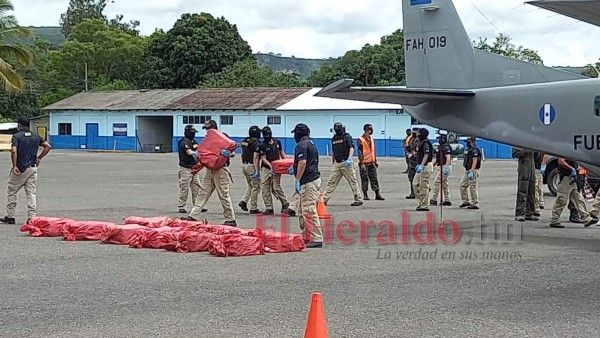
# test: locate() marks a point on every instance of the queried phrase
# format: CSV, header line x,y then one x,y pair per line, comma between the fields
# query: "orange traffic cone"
x,y
321,207
316,325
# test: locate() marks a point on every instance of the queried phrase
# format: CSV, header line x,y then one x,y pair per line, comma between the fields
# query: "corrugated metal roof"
x,y
179,99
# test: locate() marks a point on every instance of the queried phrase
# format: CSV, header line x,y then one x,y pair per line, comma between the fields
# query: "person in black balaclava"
x,y
308,185
271,150
423,170
251,169
342,148
188,157
406,145
413,161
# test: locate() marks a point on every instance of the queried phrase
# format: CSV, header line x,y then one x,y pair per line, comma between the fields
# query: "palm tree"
x,y
10,30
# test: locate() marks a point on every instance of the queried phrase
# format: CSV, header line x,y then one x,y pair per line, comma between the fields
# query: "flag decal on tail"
x,y
547,114
419,2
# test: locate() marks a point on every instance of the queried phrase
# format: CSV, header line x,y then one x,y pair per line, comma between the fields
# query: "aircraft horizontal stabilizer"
x,y
342,89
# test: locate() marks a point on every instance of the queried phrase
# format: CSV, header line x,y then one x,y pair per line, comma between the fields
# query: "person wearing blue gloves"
x,y
525,206
250,169
468,183
218,180
307,185
567,190
342,148
423,170
188,157
442,159
270,182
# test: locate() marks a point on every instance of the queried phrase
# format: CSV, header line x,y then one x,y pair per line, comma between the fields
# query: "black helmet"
x,y
267,132
423,133
211,124
254,131
189,131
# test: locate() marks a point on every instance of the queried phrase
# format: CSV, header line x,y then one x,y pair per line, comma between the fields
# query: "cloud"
x,y
321,29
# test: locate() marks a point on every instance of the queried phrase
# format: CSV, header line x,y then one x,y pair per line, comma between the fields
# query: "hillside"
x,y
50,34
279,63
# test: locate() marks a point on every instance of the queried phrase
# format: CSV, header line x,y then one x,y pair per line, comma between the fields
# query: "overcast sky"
x,y
328,28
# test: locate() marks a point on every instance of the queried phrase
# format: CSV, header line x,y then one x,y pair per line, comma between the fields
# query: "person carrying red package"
x,y
271,150
218,180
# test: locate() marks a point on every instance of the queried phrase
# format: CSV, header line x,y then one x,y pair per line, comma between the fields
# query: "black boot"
x,y
378,196
366,198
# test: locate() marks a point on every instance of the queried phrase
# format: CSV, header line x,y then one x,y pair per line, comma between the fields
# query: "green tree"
x,y
380,65
11,53
81,10
502,45
197,45
249,73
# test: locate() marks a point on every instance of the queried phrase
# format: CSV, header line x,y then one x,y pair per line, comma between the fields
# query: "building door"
x,y
91,136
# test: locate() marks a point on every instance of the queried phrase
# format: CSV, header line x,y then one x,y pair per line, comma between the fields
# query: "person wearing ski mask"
x,y
423,170
271,150
188,157
342,147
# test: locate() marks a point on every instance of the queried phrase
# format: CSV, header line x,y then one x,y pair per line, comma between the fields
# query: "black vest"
x,y
468,161
271,150
422,151
248,145
340,148
186,160
441,154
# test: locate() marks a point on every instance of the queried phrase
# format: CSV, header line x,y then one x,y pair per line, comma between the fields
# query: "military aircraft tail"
x,y
439,53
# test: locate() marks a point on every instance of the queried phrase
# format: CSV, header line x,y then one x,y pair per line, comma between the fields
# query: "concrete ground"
x,y
543,282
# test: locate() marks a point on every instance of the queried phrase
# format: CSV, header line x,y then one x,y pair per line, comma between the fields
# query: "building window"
x,y
64,129
196,119
273,119
226,120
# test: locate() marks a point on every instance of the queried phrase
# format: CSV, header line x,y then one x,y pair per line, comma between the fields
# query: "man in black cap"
x,y
423,170
342,148
251,169
270,182
413,161
218,180
25,163
469,181
308,185
188,157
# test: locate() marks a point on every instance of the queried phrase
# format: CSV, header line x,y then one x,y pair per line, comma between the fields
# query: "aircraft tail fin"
x,y
440,54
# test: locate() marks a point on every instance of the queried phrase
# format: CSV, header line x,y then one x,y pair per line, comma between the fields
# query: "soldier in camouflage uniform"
x,y
413,160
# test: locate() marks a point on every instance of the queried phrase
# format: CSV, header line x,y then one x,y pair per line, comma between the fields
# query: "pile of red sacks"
x,y
169,234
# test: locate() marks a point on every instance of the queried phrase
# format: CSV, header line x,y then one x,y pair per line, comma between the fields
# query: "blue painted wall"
x,y
389,128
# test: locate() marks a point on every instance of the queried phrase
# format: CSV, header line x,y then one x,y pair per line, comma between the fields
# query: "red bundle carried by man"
x,y
281,167
209,151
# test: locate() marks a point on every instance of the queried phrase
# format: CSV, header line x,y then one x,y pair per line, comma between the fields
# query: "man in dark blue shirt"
x,y
188,157
271,150
25,162
308,185
469,181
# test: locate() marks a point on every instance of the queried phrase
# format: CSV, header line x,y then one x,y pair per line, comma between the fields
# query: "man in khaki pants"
x,y
250,169
469,180
218,180
188,156
308,185
25,162
343,166
271,150
567,190
423,171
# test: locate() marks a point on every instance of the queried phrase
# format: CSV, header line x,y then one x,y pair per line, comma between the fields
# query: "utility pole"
x,y
86,77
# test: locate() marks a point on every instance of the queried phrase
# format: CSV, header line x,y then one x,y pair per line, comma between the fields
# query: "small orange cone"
x,y
322,208
316,325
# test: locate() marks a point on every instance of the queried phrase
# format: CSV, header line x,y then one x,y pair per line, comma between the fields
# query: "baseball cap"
x,y
210,124
190,127
301,127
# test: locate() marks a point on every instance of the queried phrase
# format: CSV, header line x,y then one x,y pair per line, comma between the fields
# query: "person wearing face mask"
x,y
423,170
406,145
443,159
368,162
307,186
271,150
469,180
413,160
342,147
188,157
250,164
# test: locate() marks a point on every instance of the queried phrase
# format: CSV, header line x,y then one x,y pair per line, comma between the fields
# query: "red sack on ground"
x,y
150,238
209,150
187,241
236,245
120,234
219,229
277,242
281,167
45,226
151,222
84,230
180,223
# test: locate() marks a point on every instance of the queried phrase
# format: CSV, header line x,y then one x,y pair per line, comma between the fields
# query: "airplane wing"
x,y
342,89
583,10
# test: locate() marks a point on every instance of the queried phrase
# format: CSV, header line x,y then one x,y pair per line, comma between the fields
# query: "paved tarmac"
x,y
543,282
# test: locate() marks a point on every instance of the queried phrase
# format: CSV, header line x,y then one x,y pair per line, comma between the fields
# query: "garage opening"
x,y
154,134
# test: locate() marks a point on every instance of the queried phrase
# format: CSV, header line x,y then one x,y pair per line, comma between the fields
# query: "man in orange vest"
x,y
368,163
